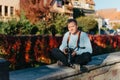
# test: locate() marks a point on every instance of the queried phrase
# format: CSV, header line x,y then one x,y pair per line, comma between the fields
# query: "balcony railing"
x,y
3,18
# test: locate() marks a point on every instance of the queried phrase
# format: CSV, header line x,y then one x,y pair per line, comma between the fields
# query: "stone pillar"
x,y
9,11
4,69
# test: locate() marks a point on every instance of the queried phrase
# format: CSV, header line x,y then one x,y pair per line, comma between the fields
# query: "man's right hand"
x,y
65,51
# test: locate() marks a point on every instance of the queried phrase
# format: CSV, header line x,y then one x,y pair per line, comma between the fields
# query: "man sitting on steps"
x,y
78,42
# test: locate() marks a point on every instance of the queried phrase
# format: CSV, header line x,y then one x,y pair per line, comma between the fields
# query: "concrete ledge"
x,y
104,60
42,73
60,74
100,63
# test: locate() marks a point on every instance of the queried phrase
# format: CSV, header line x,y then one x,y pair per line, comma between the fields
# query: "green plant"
x,y
53,26
14,27
60,23
87,23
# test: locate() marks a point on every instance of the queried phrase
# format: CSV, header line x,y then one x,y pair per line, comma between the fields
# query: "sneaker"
x,y
84,69
75,66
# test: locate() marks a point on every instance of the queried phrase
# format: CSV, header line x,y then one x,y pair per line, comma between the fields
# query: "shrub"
x,y
87,24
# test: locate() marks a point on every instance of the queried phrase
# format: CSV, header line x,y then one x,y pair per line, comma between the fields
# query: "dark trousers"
x,y
82,59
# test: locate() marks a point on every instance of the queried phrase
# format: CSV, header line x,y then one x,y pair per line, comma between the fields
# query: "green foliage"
x,y
54,26
10,28
60,21
14,27
2,27
24,26
42,27
87,23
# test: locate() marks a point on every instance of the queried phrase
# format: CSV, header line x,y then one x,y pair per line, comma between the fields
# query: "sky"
x,y
105,4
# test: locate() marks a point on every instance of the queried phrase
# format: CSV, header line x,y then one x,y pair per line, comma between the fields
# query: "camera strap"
x,y
78,41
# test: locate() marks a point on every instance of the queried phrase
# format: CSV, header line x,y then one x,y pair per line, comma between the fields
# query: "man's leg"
x,y
58,55
83,59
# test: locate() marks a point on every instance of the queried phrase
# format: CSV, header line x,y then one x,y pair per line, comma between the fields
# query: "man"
x,y
78,42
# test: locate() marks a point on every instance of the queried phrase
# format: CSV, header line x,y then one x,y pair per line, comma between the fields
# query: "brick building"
x,y
8,9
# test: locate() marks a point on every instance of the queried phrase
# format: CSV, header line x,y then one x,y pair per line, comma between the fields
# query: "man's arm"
x,y
64,42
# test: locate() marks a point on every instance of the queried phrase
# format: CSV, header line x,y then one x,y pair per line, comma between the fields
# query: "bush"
x,y
14,27
56,25
87,24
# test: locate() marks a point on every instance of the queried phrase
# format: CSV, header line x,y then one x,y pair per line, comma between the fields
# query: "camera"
x,y
69,52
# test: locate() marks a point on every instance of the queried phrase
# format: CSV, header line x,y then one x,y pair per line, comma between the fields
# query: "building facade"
x,y
88,6
111,16
61,6
8,9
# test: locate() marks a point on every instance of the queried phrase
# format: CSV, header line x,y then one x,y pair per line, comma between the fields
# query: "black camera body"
x,y
69,52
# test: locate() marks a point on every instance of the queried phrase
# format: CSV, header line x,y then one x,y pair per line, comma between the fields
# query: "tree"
x,y
56,24
87,24
36,10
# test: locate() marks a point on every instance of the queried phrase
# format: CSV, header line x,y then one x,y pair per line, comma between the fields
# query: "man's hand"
x,y
74,53
65,52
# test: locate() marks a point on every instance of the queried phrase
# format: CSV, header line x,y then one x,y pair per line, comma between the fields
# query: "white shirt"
x,y
84,42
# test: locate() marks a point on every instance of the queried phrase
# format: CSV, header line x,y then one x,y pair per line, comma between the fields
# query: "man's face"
x,y
72,27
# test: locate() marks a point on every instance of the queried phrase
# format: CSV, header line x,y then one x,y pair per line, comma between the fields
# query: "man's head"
x,y
72,26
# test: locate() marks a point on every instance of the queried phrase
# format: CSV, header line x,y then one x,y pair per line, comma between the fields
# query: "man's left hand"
x,y
74,53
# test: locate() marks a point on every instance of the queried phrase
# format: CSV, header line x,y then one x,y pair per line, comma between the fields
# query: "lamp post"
x,y
99,20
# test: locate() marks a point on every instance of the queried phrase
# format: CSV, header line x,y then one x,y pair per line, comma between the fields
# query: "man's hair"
x,y
71,20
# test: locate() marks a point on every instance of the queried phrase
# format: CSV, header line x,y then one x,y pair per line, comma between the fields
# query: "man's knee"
x,y
83,58
54,51
87,57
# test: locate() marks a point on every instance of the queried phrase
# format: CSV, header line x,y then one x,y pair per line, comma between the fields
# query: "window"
x,y
11,11
6,10
75,3
0,10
